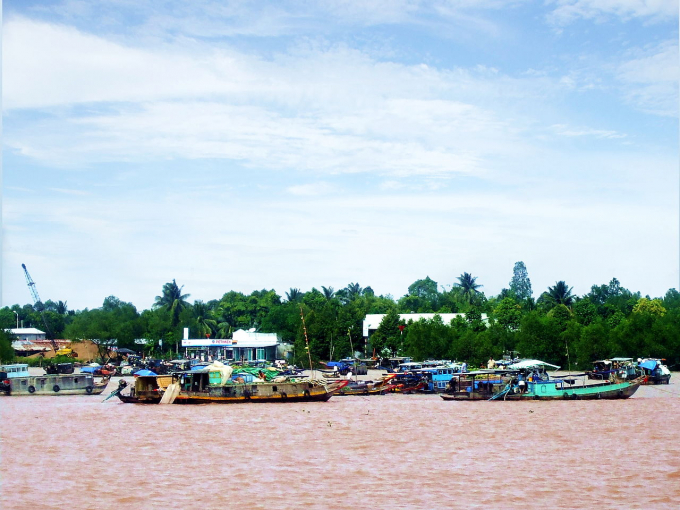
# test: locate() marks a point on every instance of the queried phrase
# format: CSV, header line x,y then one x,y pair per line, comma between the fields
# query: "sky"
x,y
247,145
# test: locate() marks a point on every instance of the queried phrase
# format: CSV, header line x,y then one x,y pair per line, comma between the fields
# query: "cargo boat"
x,y
48,384
205,387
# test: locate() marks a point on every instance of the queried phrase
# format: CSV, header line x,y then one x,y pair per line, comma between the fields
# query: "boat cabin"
x,y
16,370
409,367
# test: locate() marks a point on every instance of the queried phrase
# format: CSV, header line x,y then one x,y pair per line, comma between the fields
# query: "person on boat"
x,y
491,364
522,385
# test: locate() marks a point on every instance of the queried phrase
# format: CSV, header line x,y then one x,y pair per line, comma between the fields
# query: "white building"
x,y
27,334
373,320
243,346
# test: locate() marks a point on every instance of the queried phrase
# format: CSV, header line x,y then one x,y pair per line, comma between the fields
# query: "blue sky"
x,y
247,145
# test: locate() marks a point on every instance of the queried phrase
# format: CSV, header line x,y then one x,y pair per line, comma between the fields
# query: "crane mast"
x,y
36,300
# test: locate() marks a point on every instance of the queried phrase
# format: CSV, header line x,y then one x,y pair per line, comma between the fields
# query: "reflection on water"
x,y
379,452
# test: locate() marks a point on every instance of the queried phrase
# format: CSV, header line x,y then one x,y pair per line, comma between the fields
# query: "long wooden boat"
x,y
195,387
366,388
52,384
516,385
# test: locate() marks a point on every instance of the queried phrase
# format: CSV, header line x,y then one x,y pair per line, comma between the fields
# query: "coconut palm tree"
x,y
294,295
172,300
561,294
62,309
468,285
328,292
206,324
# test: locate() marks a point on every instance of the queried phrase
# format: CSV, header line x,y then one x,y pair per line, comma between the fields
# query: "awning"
x,y
531,363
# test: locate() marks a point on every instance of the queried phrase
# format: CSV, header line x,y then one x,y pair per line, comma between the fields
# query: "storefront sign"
x,y
208,342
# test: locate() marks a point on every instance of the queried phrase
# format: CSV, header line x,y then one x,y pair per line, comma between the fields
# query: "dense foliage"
x,y
558,327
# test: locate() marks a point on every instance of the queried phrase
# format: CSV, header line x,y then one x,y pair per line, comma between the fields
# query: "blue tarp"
x,y
89,370
649,364
144,372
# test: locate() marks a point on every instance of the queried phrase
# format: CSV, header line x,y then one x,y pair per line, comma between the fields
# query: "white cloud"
x,y
563,130
567,11
651,76
328,110
133,246
312,189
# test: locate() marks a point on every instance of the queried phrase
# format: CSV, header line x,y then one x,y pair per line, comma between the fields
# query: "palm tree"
x,y
206,324
467,284
561,294
62,309
328,292
172,300
294,295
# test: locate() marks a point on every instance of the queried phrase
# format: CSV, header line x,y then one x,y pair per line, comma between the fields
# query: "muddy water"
x,y
384,452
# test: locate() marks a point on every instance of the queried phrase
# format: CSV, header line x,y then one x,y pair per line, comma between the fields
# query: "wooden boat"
x,y
532,383
52,384
614,368
198,387
365,388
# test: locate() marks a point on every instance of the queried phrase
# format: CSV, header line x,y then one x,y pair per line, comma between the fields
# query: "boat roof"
x,y
532,363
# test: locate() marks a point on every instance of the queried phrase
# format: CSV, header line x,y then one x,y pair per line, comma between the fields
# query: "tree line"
x,y
557,326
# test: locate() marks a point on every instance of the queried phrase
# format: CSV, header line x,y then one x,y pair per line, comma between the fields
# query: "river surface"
x,y
379,452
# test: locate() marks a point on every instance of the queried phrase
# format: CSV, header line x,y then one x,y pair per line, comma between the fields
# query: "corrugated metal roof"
x,y
26,331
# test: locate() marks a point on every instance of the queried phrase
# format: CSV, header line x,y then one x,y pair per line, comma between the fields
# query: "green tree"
x,y
650,306
508,314
202,314
294,295
328,292
559,294
469,286
387,338
520,284
172,300
6,351
426,294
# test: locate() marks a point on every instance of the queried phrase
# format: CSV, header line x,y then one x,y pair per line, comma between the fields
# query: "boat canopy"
x,y
649,364
531,363
622,359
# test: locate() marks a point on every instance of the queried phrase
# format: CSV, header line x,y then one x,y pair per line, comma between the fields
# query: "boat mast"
x,y
309,354
354,362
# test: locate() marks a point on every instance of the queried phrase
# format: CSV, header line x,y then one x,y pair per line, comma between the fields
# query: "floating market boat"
x,y
655,371
15,380
614,368
218,384
529,380
365,388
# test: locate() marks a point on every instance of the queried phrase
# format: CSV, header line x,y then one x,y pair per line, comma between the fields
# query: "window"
x,y
260,354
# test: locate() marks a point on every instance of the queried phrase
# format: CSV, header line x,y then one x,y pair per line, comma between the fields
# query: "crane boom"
x,y
31,286
36,300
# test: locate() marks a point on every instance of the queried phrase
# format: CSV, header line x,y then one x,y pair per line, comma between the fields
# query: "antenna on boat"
x,y
309,354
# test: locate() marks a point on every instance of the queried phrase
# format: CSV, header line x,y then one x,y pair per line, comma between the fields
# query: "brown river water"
x,y
379,452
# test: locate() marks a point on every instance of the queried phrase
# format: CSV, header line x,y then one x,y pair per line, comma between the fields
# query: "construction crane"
x,y
40,307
